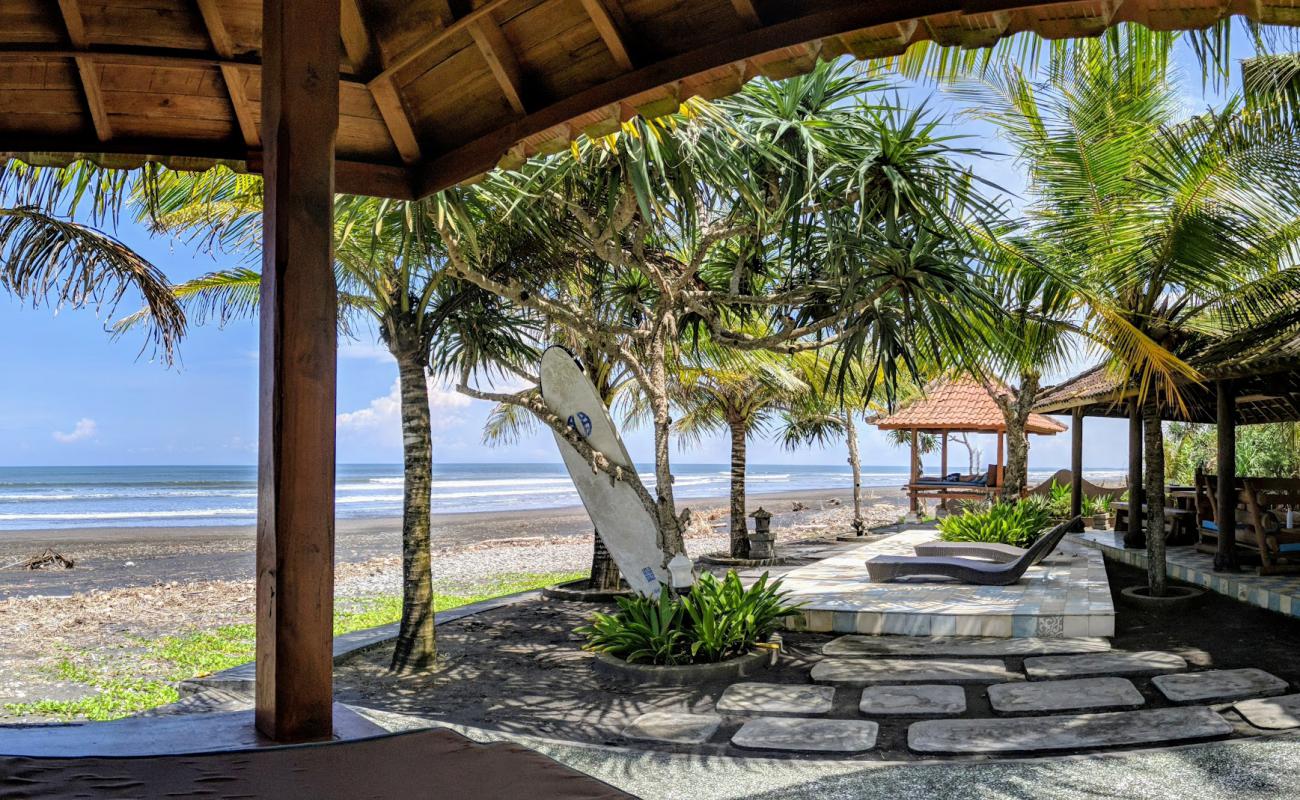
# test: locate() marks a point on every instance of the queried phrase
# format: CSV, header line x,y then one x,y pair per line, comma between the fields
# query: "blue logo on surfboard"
x,y
583,424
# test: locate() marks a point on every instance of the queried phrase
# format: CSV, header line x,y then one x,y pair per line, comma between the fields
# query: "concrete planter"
x,y
574,593
1176,599
724,560
749,664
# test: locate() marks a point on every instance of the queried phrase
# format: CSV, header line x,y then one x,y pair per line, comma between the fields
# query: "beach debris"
x,y
129,564
834,502
46,560
798,506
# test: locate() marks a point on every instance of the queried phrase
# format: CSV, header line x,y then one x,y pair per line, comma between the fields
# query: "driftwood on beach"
x,y
46,560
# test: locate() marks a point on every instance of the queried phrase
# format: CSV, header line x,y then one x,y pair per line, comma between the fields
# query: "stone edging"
x,y
718,560
570,592
688,674
242,677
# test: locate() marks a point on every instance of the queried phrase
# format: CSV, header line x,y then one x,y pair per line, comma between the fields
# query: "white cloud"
x,y
369,351
384,414
84,429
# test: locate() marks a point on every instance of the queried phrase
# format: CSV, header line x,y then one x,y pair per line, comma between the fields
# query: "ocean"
x,y
136,496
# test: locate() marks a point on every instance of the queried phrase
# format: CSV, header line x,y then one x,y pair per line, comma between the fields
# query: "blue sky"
x,y
71,395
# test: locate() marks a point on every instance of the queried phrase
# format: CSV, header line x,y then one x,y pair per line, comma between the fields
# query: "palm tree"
x,y
48,258
390,273
1180,230
737,393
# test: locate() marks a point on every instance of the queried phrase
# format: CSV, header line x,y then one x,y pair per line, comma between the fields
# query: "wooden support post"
x,y
915,470
943,456
1225,516
1076,466
997,476
1133,537
299,309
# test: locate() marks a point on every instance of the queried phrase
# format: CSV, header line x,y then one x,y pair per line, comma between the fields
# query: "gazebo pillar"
x,y
1225,516
997,476
299,307
915,472
1076,465
1134,537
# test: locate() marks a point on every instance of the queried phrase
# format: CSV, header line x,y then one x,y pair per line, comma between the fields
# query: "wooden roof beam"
x,y
747,11
356,43
609,32
224,47
76,29
501,60
355,36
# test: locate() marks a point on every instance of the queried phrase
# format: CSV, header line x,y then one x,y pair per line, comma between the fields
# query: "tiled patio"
x,y
1066,595
1280,593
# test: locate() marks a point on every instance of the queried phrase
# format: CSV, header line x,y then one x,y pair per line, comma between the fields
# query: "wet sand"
x,y
110,558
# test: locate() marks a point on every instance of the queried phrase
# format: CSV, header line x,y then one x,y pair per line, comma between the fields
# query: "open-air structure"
x,y
402,99
1240,383
957,405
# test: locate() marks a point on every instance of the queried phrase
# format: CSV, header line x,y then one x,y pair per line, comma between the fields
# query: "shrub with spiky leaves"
x,y
715,621
1016,524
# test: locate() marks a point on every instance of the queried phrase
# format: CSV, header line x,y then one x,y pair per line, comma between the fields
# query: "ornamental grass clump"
x,y
1016,524
716,621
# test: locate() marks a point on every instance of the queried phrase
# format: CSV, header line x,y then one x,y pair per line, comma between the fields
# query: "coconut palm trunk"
x,y
1153,434
670,529
739,530
605,576
416,644
855,464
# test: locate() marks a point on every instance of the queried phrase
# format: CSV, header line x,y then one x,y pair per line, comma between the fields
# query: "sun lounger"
x,y
990,551
967,570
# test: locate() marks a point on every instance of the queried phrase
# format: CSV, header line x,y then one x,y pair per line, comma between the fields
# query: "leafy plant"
x,y
1058,501
1093,506
1002,523
715,621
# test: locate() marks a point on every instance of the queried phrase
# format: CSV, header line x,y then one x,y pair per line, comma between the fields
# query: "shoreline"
x,y
121,557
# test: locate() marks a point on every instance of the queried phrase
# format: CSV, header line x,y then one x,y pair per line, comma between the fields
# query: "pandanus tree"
x,y
390,273
801,207
1180,229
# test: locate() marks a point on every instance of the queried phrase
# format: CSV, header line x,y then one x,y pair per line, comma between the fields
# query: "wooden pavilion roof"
x,y
960,404
436,92
1266,375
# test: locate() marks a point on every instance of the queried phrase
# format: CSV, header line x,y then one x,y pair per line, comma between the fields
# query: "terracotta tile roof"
x,y
960,404
1089,386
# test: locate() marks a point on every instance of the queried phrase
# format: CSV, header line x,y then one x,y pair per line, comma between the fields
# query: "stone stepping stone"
x,y
676,727
1116,662
776,698
1272,713
807,735
918,701
879,671
1066,732
1219,685
960,646
1078,694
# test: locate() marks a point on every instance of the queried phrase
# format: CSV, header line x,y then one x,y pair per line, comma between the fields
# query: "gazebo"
x,y
1240,383
403,98
958,405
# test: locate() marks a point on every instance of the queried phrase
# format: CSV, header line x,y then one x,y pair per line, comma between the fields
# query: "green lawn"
x,y
144,674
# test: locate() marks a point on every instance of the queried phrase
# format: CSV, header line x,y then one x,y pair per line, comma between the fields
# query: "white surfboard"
x,y
629,530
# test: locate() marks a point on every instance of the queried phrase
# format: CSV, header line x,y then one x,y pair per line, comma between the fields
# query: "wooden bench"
x,y
1180,524
1261,496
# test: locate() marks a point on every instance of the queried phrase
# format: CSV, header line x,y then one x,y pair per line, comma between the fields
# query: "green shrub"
x,y
716,620
1058,501
1017,524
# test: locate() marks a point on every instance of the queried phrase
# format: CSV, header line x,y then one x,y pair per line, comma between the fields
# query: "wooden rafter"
x,y
501,60
224,47
748,12
452,27
356,44
609,32
86,69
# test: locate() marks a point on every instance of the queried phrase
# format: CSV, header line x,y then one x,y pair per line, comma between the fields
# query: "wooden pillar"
x,y
299,307
915,470
1225,516
997,476
943,456
1076,465
1133,537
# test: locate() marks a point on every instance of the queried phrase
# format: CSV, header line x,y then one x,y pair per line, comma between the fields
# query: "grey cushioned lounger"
x,y
991,551
967,570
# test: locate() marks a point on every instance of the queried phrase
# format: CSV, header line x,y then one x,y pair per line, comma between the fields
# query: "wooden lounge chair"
x,y
1279,548
1207,507
967,570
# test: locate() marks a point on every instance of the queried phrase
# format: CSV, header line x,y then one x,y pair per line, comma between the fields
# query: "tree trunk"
x,y
739,530
855,465
1015,413
416,647
605,576
1134,536
1155,497
670,529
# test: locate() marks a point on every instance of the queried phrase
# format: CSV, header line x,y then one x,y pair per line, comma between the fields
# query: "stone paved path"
x,y
959,646
1080,694
776,698
877,671
1116,662
807,735
1218,685
1072,732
